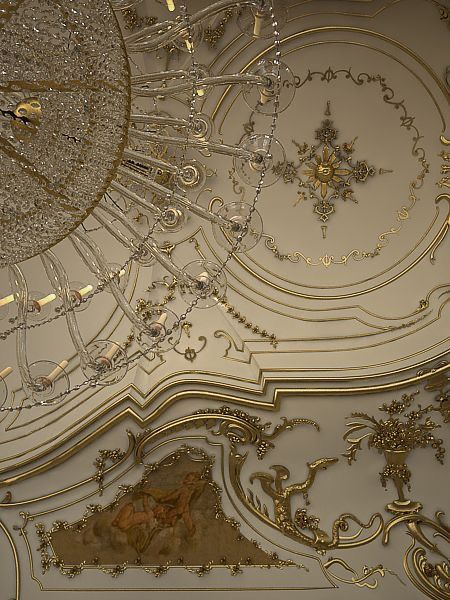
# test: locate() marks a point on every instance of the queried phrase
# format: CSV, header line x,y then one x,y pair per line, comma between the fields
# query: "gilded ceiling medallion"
x,y
330,170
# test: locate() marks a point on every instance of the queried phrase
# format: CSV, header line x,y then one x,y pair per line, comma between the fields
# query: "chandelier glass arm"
x,y
60,283
225,149
142,202
159,120
158,76
20,290
153,37
150,245
150,161
231,79
94,259
164,192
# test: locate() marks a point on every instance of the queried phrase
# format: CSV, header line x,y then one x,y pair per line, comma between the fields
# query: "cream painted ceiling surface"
x,y
340,309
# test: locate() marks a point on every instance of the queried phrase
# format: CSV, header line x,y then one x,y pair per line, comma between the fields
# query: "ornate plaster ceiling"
x,y
342,305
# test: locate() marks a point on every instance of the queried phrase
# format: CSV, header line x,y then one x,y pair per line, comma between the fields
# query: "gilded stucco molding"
x,y
243,432
396,436
242,429
366,579
231,392
439,240
332,171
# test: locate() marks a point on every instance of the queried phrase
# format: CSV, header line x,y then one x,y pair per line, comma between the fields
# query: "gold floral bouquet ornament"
x,y
404,430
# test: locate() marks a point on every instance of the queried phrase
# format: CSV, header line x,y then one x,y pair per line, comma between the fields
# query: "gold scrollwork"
x,y
330,169
396,439
324,181
191,354
442,234
232,344
433,579
242,429
439,382
366,579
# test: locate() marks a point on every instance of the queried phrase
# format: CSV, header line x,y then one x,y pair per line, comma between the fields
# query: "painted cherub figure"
x,y
140,526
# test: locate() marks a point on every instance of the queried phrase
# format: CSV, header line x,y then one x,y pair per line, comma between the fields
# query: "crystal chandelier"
x,y
78,114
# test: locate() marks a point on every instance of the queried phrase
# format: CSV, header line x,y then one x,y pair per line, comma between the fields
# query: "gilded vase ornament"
x,y
396,438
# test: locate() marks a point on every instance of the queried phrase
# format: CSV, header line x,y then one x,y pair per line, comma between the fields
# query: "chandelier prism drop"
x,y
91,158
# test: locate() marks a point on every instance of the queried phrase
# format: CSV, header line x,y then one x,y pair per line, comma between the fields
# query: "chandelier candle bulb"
x,y
111,352
170,5
6,300
46,300
57,371
259,20
86,290
162,319
4,374
265,95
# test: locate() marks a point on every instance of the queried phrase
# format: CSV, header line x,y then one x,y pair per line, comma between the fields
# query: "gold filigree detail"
x,y
442,234
242,429
231,310
326,134
213,34
232,344
145,307
366,579
293,525
191,354
439,382
101,462
396,438
330,170
431,578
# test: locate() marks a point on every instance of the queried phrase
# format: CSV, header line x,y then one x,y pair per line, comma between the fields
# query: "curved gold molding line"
x,y
369,32
143,422
373,288
62,458
260,381
444,229
317,309
16,558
